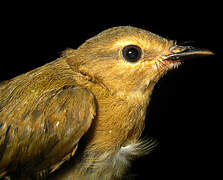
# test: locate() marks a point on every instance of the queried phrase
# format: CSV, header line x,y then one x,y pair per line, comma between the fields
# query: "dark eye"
x,y
132,53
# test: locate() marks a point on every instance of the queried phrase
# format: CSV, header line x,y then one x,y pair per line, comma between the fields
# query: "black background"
x,y
184,114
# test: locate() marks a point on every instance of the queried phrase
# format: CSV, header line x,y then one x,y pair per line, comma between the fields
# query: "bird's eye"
x,y
132,53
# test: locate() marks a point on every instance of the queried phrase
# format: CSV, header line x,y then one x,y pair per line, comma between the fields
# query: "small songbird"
x,y
86,108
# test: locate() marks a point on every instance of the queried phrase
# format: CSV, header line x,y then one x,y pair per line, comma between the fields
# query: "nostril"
x,y
177,49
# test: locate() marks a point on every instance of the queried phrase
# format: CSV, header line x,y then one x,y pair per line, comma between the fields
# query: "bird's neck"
x,y
120,117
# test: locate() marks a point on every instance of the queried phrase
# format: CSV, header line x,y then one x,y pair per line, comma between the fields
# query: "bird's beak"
x,y
181,53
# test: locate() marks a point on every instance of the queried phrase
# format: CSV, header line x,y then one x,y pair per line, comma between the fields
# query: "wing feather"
x,y
44,132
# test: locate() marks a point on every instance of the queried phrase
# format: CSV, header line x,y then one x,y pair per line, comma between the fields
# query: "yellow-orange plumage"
x,y
88,107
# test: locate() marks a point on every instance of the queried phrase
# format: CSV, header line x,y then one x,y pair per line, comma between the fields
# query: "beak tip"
x,y
210,53
204,52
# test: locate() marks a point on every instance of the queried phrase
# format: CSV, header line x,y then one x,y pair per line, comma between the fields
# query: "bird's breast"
x,y
117,123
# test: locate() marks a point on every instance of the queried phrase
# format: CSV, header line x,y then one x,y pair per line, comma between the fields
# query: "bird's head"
x,y
128,60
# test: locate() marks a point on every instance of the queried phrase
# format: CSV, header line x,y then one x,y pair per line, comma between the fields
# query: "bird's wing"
x,y
44,132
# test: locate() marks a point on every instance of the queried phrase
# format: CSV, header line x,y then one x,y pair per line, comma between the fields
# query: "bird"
x,y
81,116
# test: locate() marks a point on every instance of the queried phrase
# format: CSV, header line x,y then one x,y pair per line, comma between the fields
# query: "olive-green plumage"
x,y
95,97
